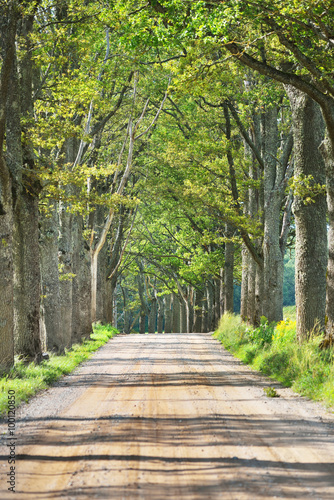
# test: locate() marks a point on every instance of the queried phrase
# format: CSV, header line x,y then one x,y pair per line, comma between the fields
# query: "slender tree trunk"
x,y
251,309
221,293
127,319
168,313
190,319
184,317
310,219
84,291
205,316
160,315
176,322
198,311
244,282
259,296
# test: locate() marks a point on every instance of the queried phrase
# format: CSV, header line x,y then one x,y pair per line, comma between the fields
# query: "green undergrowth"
x,y
27,380
274,350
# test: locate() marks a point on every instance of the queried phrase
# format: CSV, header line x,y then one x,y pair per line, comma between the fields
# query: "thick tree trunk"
x,y
8,19
27,278
310,219
6,270
50,320
142,322
328,155
152,317
273,197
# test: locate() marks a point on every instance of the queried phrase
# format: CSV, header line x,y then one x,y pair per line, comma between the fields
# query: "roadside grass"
x,y
27,380
274,350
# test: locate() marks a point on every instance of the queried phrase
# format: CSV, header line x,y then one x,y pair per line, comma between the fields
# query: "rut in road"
x,y
171,416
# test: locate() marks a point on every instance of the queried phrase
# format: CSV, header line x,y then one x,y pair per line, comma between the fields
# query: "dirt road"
x,y
170,416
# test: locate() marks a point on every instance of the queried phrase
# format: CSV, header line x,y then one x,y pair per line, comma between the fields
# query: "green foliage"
x,y
27,380
305,367
306,188
271,392
262,335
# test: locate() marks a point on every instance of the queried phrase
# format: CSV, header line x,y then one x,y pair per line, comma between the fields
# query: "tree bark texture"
x,y
6,270
273,197
50,320
8,19
310,219
328,155
27,278
228,273
244,282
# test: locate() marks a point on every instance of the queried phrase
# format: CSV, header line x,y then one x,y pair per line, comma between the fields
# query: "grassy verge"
x,y
27,380
274,350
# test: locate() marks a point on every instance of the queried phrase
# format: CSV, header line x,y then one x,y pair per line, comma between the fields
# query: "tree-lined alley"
x,y
162,152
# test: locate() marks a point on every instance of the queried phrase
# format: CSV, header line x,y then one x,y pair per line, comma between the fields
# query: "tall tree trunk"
x,y
273,196
328,155
27,278
82,284
8,19
6,270
245,257
310,219
50,280
228,272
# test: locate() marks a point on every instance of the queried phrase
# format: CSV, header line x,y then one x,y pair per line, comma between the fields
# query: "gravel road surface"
x,y
174,416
